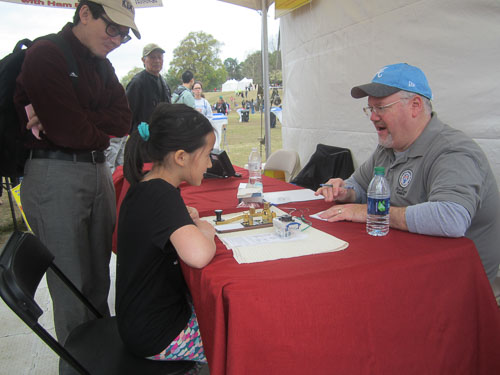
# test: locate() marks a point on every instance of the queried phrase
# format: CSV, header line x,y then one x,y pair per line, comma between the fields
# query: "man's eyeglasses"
x,y
113,30
379,110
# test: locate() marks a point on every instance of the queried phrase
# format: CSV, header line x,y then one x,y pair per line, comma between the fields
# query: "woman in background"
x,y
200,103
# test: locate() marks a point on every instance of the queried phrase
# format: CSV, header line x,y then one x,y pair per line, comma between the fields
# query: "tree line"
x,y
199,52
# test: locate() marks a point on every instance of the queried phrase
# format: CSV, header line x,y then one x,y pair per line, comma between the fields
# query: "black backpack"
x,y
13,154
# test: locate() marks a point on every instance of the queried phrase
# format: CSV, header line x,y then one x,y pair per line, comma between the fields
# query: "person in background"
x,y
220,106
156,230
67,192
441,181
201,104
183,93
148,88
144,92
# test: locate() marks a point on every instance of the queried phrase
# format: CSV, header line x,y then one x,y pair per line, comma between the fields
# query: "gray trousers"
x,y
71,207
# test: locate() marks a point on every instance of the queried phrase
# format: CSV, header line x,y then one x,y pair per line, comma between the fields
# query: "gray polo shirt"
x,y
445,165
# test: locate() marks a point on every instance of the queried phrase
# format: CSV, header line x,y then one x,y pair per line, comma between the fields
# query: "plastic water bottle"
x,y
379,193
254,168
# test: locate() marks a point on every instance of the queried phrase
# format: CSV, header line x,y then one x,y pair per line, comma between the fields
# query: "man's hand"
x,y
346,212
34,123
334,190
358,212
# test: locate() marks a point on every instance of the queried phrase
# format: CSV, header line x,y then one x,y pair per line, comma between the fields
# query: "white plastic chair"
x,y
287,161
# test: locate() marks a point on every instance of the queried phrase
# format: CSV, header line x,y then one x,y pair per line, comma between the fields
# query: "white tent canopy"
x,y
329,46
230,85
233,85
252,4
243,84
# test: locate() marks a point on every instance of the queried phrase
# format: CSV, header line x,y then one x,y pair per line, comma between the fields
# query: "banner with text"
x,y
74,4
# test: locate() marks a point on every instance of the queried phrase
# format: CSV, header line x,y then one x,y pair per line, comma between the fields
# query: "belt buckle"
x,y
93,155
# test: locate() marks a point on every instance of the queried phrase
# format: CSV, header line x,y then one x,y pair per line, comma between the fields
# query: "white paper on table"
x,y
287,196
228,227
258,239
261,244
316,242
316,216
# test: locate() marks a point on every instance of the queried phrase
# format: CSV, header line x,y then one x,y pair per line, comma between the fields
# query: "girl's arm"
x,y
195,243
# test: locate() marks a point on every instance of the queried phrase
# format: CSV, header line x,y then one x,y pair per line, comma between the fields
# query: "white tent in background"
x,y
230,85
243,84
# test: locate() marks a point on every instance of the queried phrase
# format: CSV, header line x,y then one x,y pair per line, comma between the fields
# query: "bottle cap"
x,y
379,171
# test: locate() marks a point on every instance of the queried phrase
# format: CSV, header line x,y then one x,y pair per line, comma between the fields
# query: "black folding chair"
x,y
325,163
94,347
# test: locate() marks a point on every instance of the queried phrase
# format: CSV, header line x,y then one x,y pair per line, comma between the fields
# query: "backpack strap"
x,y
179,90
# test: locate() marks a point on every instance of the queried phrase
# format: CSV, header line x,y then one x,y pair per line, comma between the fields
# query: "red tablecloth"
x,y
400,304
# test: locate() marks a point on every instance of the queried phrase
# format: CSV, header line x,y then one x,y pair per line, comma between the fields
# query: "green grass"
x,y
242,136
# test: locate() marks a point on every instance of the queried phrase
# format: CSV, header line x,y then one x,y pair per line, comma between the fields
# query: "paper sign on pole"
x,y
282,7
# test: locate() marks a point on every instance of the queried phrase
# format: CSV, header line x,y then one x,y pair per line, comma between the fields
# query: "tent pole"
x,y
265,79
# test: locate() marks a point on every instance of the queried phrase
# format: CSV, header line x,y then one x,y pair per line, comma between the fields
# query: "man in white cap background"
x,y
148,88
67,191
144,92
441,181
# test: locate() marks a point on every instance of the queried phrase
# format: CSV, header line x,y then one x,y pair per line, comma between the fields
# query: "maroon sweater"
x,y
73,120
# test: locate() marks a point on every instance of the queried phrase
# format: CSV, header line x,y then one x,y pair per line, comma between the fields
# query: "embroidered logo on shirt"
x,y
405,178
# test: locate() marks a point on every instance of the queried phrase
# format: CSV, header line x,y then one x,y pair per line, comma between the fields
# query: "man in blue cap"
x,y
441,181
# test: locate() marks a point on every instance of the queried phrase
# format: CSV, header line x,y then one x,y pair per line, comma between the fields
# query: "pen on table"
x,y
330,185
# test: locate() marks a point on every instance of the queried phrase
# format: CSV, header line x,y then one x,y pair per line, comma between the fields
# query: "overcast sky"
x,y
238,28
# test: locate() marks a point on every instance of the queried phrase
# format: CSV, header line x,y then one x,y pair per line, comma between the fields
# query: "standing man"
x,y
183,93
441,181
144,92
148,88
67,191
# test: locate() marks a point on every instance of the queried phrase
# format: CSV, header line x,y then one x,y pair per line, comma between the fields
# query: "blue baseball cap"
x,y
393,78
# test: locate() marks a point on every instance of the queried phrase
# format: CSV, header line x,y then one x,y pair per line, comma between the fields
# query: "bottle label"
x,y
378,206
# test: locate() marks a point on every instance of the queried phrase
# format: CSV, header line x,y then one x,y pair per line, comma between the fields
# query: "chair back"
x,y
326,162
282,164
23,262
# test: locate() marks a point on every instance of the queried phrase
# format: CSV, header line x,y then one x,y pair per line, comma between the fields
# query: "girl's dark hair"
x,y
198,83
96,10
172,127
